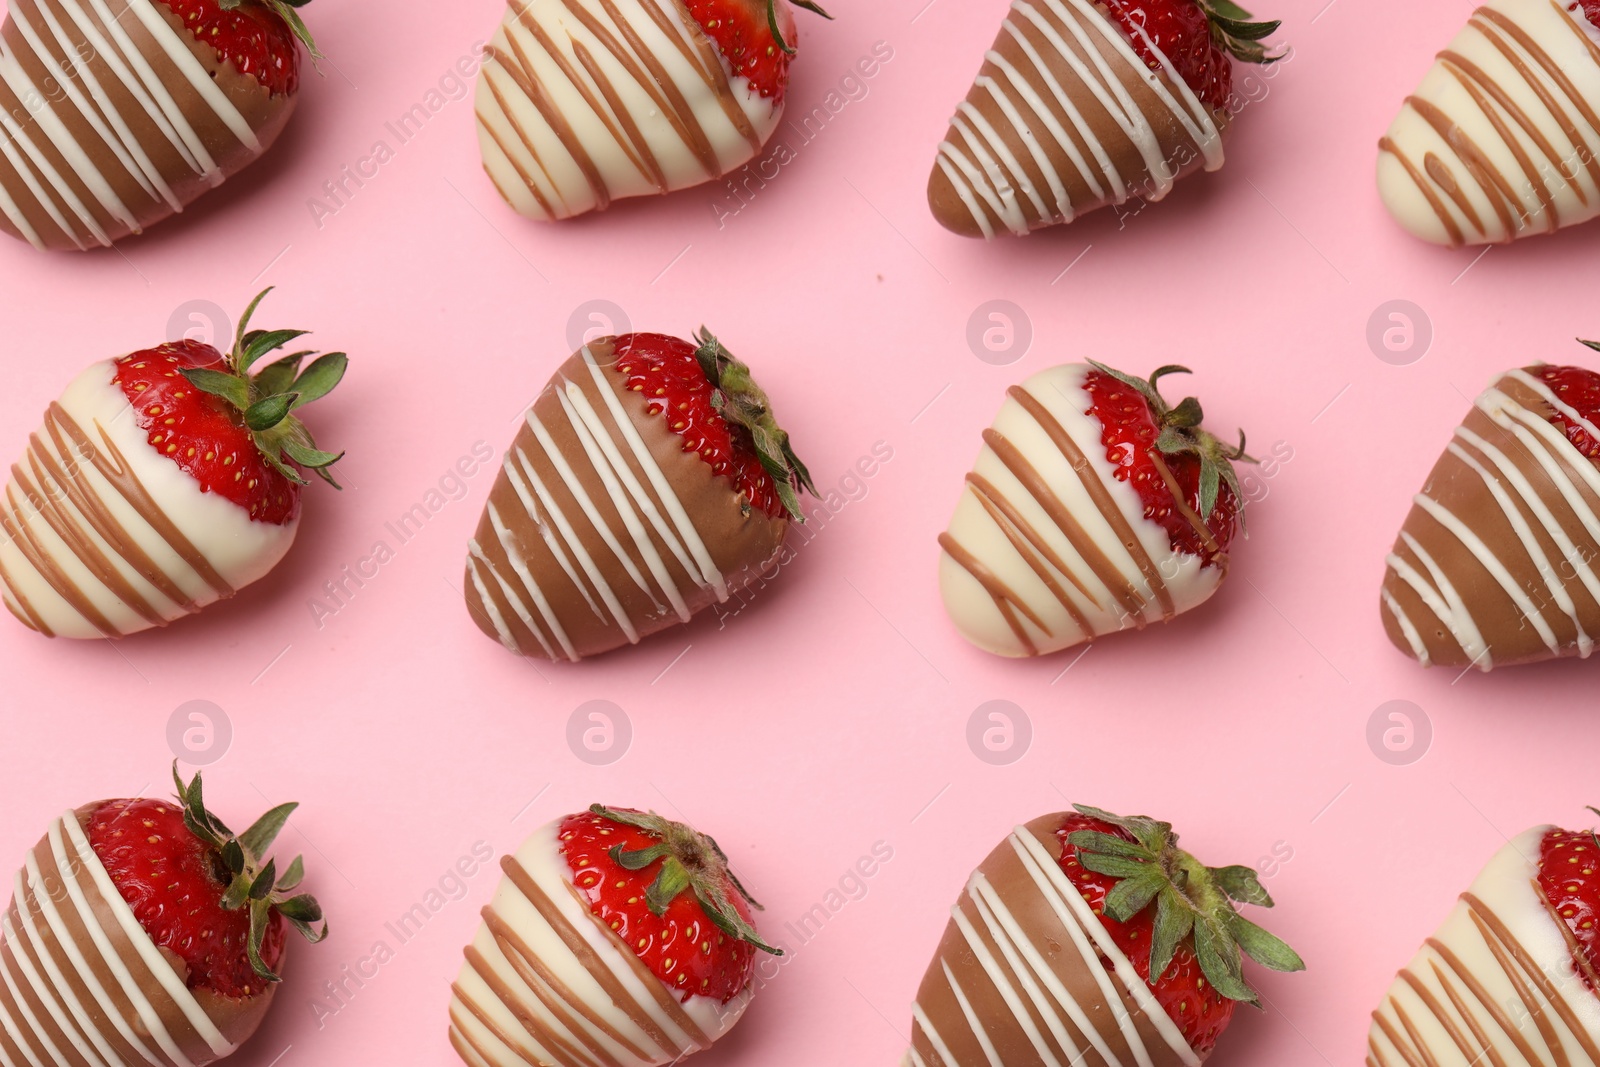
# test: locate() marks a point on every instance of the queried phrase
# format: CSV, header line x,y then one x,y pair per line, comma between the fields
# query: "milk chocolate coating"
x,y
1014,982
92,151
1063,118
601,529
56,1002
1496,563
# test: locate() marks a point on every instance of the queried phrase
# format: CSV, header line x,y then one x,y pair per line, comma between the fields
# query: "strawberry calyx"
x,y
1192,901
1234,31
689,862
267,399
1182,434
743,405
787,48
251,876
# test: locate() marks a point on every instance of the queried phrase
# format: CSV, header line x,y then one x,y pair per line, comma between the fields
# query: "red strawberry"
x,y
757,37
1579,389
666,891
1138,427
1569,876
212,899
1590,9
259,37
1172,917
714,405
1200,38
231,430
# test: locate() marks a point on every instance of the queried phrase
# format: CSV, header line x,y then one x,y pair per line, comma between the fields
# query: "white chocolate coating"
x,y
102,536
1496,984
1501,139
583,102
546,983
1047,549
80,980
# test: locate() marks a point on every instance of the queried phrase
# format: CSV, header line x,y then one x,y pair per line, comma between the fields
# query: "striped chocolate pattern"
x,y
112,122
1027,976
1065,117
600,529
1047,549
584,102
81,984
1495,985
1501,139
101,536
1496,563
547,983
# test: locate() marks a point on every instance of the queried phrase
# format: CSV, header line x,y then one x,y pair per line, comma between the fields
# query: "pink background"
x,y
833,715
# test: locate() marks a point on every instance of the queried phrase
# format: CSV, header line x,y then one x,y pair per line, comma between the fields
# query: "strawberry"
x,y
1579,389
230,430
1138,429
1172,917
1569,877
712,402
1200,38
666,891
259,37
212,899
756,37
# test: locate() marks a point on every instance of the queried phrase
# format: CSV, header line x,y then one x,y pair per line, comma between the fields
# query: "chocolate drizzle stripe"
x,y
1033,548
1102,497
569,1053
638,1013
1512,514
60,497
1519,105
79,993
113,116
1027,974
1006,600
599,36
553,993
988,159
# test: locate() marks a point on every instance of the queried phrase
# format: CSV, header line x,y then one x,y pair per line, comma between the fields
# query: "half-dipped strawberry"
x,y
1510,976
130,121
1498,562
162,482
1095,506
617,936
156,914
1095,104
670,94
1085,934
650,480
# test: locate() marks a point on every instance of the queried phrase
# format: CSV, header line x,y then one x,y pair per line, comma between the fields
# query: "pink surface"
x,y
832,714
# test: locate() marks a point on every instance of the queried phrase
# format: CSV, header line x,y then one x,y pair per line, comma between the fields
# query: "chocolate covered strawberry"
x,y
650,480
1095,506
1497,562
126,114
1511,975
1092,939
144,932
584,102
1083,104
162,482
616,937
